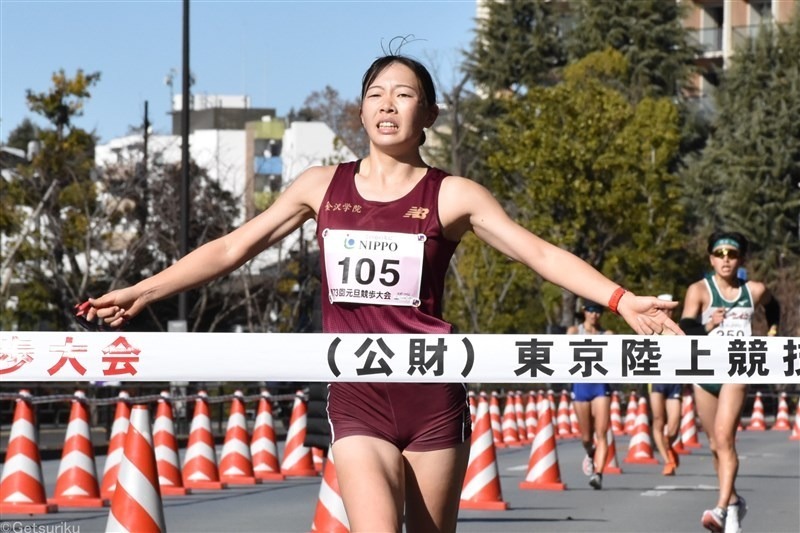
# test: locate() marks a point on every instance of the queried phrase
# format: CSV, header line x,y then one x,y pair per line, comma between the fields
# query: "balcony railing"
x,y
709,39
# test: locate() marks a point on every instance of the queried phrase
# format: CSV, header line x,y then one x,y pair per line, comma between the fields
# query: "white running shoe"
x,y
588,465
714,520
736,513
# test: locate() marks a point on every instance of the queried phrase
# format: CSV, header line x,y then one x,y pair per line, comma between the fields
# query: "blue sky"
x,y
277,52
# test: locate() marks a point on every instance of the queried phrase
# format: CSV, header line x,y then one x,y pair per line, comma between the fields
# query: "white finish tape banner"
x,y
131,356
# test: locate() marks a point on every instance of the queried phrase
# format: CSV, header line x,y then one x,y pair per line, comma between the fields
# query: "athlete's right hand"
x,y
716,317
116,307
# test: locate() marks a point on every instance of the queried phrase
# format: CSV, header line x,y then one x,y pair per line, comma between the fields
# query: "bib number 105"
x,y
365,271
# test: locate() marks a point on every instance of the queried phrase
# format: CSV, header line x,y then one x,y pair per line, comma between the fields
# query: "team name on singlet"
x,y
373,267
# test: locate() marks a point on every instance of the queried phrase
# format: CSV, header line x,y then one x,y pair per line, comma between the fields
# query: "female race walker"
x,y
724,304
592,403
401,449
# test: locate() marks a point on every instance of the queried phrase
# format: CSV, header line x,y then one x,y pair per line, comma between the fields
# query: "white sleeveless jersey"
x,y
738,321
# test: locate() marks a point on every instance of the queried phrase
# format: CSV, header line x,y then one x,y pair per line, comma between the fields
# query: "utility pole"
x,y
184,230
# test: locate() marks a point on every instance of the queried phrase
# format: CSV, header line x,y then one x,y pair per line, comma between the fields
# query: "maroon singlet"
x,y
413,416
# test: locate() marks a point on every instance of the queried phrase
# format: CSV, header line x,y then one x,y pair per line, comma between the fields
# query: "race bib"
x,y
373,267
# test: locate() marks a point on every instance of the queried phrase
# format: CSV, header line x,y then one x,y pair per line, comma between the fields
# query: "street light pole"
x,y
184,226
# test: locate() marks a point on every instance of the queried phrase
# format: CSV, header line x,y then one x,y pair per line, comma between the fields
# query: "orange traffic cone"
x,y
165,445
795,430
510,431
563,425
616,415
116,443
76,484
757,422
543,471
640,448
200,462
573,421
136,505
318,458
235,464
330,515
612,464
494,418
688,423
630,413
481,488
263,449
22,485
473,407
782,418
531,418
519,414
297,459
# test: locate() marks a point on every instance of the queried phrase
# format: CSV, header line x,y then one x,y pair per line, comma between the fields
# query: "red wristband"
x,y
613,302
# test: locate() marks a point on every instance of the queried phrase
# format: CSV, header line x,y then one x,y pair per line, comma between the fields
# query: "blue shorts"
x,y
671,391
586,392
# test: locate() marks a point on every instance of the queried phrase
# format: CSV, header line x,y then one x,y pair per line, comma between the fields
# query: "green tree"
x,y
25,132
588,170
746,178
46,267
517,46
649,33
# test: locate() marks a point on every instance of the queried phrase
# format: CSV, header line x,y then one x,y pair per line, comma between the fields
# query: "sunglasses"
x,y
594,309
726,252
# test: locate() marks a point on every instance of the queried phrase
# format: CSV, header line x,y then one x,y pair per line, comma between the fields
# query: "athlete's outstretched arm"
x,y
220,256
477,210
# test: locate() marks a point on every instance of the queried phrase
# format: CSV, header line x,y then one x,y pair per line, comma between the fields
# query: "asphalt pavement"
x,y
639,499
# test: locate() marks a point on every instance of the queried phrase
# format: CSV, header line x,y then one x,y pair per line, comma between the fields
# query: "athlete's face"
x,y
725,260
394,111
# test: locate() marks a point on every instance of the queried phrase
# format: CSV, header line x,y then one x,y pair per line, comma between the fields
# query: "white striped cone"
x,y
136,505
640,447
630,413
263,447
563,425
796,429
519,413
481,489
116,443
543,470
616,415
235,464
757,422
473,407
495,419
76,484
689,436
22,485
318,458
165,444
531,418
297,459
510,431
200,462
782,417
551,399
612,464
329,515
573,421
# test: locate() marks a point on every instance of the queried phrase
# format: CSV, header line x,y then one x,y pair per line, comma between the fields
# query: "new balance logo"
x,y
417,212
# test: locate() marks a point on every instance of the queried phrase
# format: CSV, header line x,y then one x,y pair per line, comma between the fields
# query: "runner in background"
x,y
592,403
665,405
724,304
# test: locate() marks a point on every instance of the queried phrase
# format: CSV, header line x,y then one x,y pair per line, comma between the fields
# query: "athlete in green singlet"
x,y
724,304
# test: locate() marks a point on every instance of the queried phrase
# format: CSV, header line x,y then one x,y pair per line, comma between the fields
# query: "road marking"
x,y
660,490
